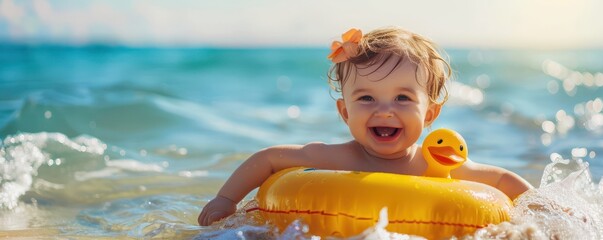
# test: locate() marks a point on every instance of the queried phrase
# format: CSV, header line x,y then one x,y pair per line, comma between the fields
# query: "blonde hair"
x,y
378,46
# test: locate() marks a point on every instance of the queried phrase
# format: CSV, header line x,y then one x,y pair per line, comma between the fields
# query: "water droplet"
x,y
579,152
548,127
293,111
182,151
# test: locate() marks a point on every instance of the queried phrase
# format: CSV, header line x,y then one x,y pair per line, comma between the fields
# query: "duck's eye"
x,y
440,141
462,148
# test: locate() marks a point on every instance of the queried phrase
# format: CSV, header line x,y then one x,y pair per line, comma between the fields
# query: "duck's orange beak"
x,y
445,155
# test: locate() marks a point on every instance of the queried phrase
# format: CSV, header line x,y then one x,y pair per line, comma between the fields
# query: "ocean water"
x,y
112,142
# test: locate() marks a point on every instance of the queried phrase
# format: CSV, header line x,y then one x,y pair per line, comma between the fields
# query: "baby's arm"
x,y
251,174
512,184
506,181
248,176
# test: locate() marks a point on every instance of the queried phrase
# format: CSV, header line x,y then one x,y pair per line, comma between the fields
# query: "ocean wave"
x,y
116,115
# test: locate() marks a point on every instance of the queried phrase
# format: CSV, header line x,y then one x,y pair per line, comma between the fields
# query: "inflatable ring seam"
x,y
397,221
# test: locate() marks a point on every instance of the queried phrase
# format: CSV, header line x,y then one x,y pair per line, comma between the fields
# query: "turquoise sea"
x,y
115,142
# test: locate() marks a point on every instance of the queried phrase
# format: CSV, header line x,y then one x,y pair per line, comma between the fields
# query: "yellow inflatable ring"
x,y
345,203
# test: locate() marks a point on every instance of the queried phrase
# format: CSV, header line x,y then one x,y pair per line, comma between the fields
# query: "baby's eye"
x,y
402,97
366,98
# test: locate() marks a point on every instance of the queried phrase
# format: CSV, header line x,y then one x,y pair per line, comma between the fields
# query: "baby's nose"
x,y
385,111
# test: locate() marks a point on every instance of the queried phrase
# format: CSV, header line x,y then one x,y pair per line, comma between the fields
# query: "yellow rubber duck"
x,y
444,150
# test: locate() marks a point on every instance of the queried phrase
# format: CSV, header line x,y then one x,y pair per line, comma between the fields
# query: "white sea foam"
x,y
116,166
21,155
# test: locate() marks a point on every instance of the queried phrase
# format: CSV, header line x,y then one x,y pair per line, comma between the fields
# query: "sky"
x,y
534,24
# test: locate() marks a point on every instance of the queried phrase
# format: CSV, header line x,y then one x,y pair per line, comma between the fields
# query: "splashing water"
x,y
567,205
48,179
22,155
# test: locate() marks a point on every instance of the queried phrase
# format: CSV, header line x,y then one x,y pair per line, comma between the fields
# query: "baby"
x,y
392,86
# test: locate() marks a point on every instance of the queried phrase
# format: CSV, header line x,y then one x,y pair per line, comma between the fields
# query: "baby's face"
x,y
386,107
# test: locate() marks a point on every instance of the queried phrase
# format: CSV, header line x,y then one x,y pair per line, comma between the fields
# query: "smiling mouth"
x,y
385,133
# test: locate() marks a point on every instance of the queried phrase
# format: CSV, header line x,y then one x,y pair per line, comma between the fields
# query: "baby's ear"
x,y
343,111
433,111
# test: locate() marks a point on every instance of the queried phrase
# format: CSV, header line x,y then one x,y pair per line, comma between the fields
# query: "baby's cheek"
x,y
363,108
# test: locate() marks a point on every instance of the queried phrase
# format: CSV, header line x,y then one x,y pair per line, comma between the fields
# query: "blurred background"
x,y
121,119
267,23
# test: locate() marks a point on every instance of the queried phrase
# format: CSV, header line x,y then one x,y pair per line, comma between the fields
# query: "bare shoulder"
x,y
334,156
508,182
314,154
297,150
287,153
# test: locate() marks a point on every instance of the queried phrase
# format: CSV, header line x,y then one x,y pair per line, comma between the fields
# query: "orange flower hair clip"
x,y
342,51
